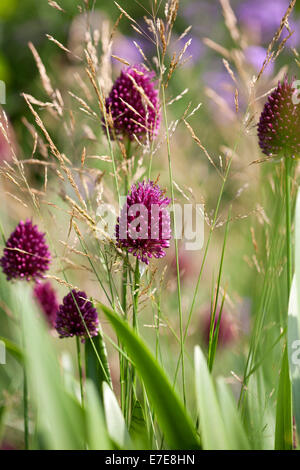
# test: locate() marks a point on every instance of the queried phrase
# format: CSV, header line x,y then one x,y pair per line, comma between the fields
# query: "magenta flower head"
x,y
47,300
143,227
70,315
26,255
279,124
134,104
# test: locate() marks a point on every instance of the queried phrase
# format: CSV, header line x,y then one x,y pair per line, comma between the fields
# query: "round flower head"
x,y
143,227
69,322
227,330
46,298
134,105
279,124
26,255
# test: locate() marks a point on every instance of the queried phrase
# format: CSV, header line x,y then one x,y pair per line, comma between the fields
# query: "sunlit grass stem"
x,y
79,361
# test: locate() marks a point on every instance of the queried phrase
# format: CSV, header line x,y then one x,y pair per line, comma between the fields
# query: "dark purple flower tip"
x,y
144,228
279,125
134,104
69,322
26,255
227,330
47,300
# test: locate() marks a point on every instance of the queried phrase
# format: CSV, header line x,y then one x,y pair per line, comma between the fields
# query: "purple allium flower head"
x,y
279,124
227,330
143,227
68,319
26,255
47,300
134,104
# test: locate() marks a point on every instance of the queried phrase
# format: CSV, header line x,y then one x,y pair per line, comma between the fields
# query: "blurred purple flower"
x,y
194,52
203,16
255,56
263,17
47,300
187,264
124,48
222,84
227,330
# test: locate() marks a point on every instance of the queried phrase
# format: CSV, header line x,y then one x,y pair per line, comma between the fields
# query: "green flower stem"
x,y
176,244
25,405
288,170
80,370
124,368
136,288
25,389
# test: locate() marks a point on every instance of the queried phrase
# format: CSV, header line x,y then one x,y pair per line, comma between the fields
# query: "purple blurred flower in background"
x,y
227,330
255,56
47,300
220,81
203,16
123,47
194,52
262,18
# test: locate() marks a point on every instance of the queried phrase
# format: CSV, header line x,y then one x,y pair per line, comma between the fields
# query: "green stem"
x,y
176,244
25,393
25,404
80,370
288,167
136,288
124,367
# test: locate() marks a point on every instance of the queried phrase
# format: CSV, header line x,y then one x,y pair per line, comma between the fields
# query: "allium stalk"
x,y
278,132
279,135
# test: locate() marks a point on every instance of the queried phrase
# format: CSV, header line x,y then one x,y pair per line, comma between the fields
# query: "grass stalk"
x,y
288,169
79,360
176,244
25,407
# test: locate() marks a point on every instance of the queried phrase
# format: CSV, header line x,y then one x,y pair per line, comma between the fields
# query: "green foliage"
x,y
170,414
220,425
284,420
